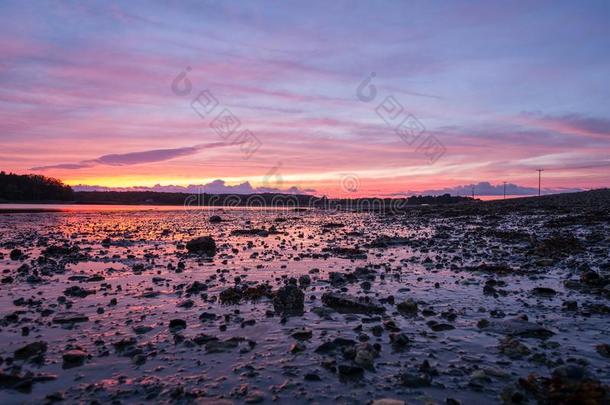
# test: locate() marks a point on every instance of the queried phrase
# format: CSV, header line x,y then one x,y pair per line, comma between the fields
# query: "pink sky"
x,y
87,94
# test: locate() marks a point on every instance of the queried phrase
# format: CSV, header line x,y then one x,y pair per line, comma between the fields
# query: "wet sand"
x,y
480,303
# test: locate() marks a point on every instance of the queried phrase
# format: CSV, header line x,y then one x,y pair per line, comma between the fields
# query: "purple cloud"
x,y
134,158
214,187
488,189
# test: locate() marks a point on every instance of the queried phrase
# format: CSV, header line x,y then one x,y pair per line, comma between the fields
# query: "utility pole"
x,y
505,190
539,179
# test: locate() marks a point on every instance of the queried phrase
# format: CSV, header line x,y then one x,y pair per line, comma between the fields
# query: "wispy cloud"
x,y
577,124
134,158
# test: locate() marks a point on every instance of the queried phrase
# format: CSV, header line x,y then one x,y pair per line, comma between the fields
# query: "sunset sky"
x,y
91,93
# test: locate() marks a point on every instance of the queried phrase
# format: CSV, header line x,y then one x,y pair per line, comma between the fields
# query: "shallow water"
x,y
137,255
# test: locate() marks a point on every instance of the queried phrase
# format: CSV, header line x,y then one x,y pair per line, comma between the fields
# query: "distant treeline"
x,y
33,187
256,200
157,198
36,188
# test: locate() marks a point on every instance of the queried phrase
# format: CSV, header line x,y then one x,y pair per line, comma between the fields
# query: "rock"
x,y
329,347
482,323
351,304
336,278
195,288
304,281
289,299
202,339
312,377
138,359
567,384
301,334
250,232
16,254
346,252
513,348
365,355
126,347
222,346
207,316
439,327
76,291
177,324
297,347
254,397
519,327
186,304
591,278
23,382
142,329
544,291
202,245
557,246
349,371
69,317
570,305
408,306
399,340
415,380
233,295
57,250
34,350
388,401
74,358
215,219
603,349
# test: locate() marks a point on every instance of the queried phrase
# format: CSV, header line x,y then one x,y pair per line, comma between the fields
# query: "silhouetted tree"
x,y
33,187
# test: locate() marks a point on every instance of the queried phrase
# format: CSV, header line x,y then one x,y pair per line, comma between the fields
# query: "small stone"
x,y
388,401
32,350
74,358
603,349
289,299
177,324
76,291
254,397
399,339
304,280
544,291
439,327
312,377
69,317
408,306
301,334
513,348
16,254
346,370
413,380
297,347
351,304
202,245
142,329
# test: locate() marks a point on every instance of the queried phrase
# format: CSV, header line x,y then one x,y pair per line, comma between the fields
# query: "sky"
x,y
340,98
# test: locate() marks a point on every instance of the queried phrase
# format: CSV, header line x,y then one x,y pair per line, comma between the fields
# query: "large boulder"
x,y
202,245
